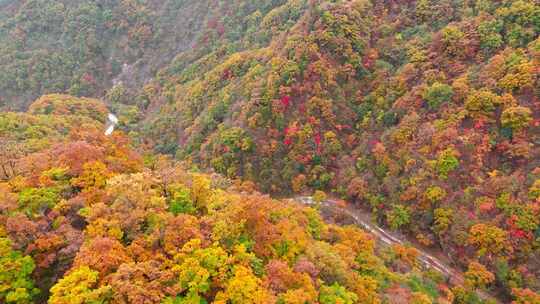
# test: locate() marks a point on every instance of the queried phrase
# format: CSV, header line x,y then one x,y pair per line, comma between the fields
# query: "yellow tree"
x,y
488,239
201,190
477,276
516,118
92,181
79,287
244,288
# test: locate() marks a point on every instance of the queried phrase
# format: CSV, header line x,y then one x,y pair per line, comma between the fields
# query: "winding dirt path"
x,y
429,260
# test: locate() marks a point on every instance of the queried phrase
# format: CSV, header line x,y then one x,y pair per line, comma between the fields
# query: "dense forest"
x,y
426,113
86,219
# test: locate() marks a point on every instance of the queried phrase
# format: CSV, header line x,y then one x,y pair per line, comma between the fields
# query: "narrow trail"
x,y
433,260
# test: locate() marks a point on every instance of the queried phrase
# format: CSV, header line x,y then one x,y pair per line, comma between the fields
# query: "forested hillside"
x,y
86,219
83,47
424,112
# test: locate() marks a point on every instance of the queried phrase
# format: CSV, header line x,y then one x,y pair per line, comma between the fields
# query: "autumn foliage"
x,y
424,113
93,223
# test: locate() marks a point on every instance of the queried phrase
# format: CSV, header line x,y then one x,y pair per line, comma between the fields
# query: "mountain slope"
x,y
427,113
86,219
80,47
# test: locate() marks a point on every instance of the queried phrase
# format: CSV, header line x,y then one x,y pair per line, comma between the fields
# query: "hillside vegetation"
x,y
86,219
424,112
83,47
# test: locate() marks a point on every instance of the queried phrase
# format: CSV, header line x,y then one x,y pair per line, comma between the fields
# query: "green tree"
x,y
16,285
398,216
534,190
435,194
447,162
489,33
443,219
335,294
36,200
180,200
437,94
452,38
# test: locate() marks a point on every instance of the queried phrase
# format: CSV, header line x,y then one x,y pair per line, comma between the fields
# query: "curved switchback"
x,y
428,260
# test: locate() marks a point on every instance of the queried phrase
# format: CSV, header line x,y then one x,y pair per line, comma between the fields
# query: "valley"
x,y
173,151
